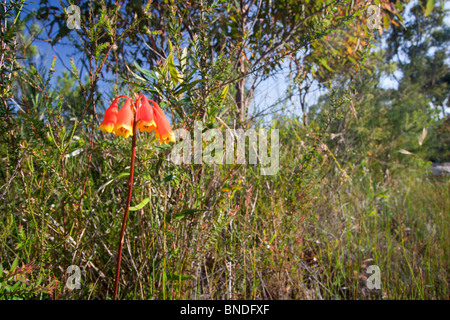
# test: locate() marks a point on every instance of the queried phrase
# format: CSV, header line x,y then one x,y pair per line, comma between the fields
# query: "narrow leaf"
x,y
176,277
14,265
169,178
223,95
140,205
325,64
123,174
183,213
423,136
176,77
404,151
429,8
183,59
146,72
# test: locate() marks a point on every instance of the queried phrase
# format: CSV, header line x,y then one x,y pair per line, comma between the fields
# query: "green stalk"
x,y
124,222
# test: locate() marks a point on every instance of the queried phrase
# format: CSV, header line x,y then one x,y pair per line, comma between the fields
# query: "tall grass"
x,y
224,232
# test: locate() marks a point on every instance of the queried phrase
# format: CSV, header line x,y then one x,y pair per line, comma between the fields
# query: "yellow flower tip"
x,y
106,127
123,130
166,138
146,126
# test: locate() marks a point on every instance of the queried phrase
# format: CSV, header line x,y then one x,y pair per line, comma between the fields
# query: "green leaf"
x,y
187,87
140,205
273,238
372,213
186,212
223,95
386,21
169,178
15,286
142,87
325,64
176,277
146,72
123,174
183,59
352,60
430,6
163,146
14,265
176,77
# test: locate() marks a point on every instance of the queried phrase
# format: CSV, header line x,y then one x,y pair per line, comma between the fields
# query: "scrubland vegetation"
x,y
353,188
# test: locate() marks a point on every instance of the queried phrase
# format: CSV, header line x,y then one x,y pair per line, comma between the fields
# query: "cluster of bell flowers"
x,y
149,118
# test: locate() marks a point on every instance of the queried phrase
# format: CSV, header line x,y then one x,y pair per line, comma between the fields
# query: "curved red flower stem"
x,y
124,222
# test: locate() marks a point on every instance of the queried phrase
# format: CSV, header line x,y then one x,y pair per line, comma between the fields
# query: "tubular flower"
x,y
124,124
110,119
163,129
145,116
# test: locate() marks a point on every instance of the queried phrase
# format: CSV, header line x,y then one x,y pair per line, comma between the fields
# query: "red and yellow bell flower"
x,y
110,119
124,124
148,117
145,116
163,130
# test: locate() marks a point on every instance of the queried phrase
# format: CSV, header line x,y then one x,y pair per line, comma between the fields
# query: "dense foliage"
x,y
353,187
